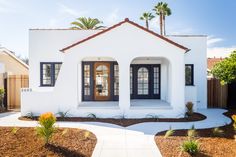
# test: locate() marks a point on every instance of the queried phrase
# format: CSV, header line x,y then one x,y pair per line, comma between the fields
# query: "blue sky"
x,y
215,18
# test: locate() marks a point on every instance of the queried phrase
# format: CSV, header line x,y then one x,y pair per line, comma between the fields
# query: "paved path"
x,y
133,141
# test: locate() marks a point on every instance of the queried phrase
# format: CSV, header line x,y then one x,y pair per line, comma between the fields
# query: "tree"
x,y
162,10
226,69
86,23
147,17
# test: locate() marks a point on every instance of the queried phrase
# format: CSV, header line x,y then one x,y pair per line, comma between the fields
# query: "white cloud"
x,y
112,18
211,40
220,51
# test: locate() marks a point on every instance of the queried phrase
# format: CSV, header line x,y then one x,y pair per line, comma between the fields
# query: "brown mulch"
x,y
210,145
126,122
65,143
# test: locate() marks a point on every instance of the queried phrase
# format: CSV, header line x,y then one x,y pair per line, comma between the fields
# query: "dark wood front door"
x,y
101,81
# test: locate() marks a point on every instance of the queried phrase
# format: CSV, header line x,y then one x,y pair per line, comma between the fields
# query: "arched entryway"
x,y
150,79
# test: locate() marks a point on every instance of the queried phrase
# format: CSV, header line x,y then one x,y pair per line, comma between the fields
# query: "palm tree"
x,y
86,23
167,12
147,17
162,10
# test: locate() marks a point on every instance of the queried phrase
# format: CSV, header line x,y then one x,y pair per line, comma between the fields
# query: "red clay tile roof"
x,y
119,24
212,61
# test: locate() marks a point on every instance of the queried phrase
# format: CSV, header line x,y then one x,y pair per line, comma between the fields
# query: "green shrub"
x,y
169,133
189,109
46,128
62,114
217,132
92,115
14,130
153,116
192,133
29,115
190,146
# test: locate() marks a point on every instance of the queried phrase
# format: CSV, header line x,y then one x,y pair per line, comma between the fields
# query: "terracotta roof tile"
x,y
212,61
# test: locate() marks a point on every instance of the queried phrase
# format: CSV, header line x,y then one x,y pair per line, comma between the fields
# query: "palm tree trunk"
x,y
164,24
147,24
161,24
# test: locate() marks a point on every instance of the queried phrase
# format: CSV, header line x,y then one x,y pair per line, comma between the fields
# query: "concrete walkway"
x,y
133,141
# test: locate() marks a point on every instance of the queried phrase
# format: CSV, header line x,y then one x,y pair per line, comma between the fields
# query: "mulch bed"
x,y
65,143
210,145
127,122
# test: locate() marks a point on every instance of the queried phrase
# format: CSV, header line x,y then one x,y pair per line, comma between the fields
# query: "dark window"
x,y
116,79
189,74
143,81
49,73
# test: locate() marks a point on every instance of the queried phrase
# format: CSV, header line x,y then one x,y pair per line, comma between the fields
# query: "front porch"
x,y
134,104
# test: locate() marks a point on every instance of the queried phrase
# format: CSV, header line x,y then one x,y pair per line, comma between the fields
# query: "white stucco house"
x,y
122,70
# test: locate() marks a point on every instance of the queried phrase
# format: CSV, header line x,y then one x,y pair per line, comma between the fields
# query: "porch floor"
x,y
134,104
149,103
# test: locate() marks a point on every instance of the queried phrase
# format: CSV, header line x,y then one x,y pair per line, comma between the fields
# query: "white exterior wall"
x,y
122,44
197,56
45,45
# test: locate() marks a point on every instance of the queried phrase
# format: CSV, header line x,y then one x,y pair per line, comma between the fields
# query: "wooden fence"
x,y
217,94
14,83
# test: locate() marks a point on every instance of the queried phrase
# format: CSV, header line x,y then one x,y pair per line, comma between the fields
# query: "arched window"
x,y
143,77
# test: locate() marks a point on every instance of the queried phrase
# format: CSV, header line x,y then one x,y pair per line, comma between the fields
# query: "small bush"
x,y
86,134
29,115
189,109
190,146
62,114
169,133
14,130
153,116
46,128
217,132
192,133
234,123
92,115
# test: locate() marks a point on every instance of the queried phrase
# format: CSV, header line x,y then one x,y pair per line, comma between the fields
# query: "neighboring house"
x,y
124,70
210,64
13,76
10,65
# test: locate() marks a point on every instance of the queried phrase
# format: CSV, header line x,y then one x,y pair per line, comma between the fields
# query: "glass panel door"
x,y
102,81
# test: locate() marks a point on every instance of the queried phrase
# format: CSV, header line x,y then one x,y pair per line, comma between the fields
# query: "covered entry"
x,y
100,80
145,81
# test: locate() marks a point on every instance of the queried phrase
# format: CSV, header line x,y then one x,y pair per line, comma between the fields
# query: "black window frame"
x,y
151,95
192,75
52,74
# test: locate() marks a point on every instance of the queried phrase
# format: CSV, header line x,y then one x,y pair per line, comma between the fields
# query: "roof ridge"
x,y
126,20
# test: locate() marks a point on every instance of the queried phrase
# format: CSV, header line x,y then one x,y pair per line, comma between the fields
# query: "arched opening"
x,y
150,79
100,79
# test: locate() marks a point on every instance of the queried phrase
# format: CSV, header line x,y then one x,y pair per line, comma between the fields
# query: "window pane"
x,y
188,74
156,80
57,68
131,80
143,78
47,74
116,79
86,79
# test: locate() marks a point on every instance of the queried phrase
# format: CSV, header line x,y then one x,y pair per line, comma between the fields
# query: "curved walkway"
x,y
133,141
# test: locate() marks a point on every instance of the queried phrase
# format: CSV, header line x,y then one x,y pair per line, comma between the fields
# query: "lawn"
x,y
223,145
65,142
